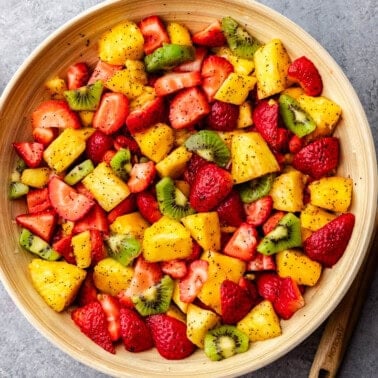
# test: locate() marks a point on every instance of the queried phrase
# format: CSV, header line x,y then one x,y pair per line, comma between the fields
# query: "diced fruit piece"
x,y
35,177
174,268
127,83
141,176
313,217
132,224
77,75
258,211
231,211
223,116
175,163
103,71
81,245
193,65
94,219
127,206
30,152
154,33
38,200
257,188
87,292
179,33
268,285
37,245
261,262
77,173
241,65
41,224
45,135
17,190
243,243
98,250
111,308
272,221
183,306
121,163
123,248
85,98
211,36
174,81
56,86
64,247
96,146
148,206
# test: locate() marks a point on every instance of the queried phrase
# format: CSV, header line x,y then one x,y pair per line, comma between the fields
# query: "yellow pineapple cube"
x,y
241,65
313,217
56,87
178,34
137,70
86,118
35,177
183,186
124,82
85,132
82,249
245,115
228,135
148,94
132,224
67,227
293,92
175,163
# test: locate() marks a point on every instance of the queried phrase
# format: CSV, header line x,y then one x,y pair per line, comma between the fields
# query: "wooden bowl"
x,y
77,41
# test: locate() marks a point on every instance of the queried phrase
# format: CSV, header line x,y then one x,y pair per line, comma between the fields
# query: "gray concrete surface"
x,y
348,29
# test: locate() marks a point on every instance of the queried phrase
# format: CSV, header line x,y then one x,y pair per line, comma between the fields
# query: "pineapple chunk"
x,y
271,65
137,70
332,193
228,135
86,117
35,177
198,322
313,218
205,229
57,282
261,323
132,224
156,142
167,239
64,150
251,157
183,306
181,135
112,277
56,86
293,92
85,132
183,186
147,95
175,312
124,82
106,187
241,65
178,34
245,115
175,163
82,249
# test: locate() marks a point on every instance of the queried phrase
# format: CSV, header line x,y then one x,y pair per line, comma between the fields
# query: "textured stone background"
x,y
346,28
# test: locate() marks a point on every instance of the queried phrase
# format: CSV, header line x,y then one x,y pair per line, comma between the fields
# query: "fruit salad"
x,y
183,192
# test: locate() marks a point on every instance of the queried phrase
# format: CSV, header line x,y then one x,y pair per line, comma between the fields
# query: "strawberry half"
x,y
148,206
64,247
103,72
141,176
95,219
268,286
195,163
97,145
154,33
77,75
42,223
111,309
211,36
98,250
231,210
258,211
45,135
30,152
223,116
174,81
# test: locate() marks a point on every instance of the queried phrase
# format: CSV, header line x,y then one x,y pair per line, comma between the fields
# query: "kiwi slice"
x,y
256,188
17,189
78,172
156,299
121,163
210,146
287,234
172,201
85,98
238,39
224,342
123,248
294,117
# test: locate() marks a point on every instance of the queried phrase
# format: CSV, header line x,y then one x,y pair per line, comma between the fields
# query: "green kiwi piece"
x,y
77,173
294,117
156,299
20,165
85,98
38,246
287,234
224,342
172,202
121,163
256,188
210,146
17,189
123,248
238,39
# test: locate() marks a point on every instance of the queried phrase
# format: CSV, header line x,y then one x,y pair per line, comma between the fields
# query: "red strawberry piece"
x,y
108,156
126,141
191,284
30,152
318,158
148,206
95,219
66,201
243,243
268,286
174,268
103,72
195,163
174,81
42,224
150,113
44,135
88,292
235,302
135,333
223,116
261,262
80,188
258,211
193,65
303,71
231,211
272,221
111,113
97,144
251,287
38,200
141,176
211,36
196,252
91,319
328,244
210,187
295,144
215,70
169,335
77,75
225,238
111,308
55,113
64,247
127,206
98,250
154,33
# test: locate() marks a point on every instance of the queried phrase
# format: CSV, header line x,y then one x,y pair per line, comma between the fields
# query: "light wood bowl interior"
x,y
77,41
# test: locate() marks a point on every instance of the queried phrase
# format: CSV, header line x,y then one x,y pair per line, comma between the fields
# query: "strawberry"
x,y
169,335
64,247
128,205
38,200
235,302
258,211
98,250
211,36
44,135
111,308
96,146
87,292
55,113
295,144
111,113
243,243
261,262
103,72
108,156
328,244
268,286
95,219
126,141
191,284
141,176
193,65
195,163
251,287
77,75
135,333
196,252
188,107
154,33
66,201
42,223
91,319
215,70
318,158
210,187
223,116
174,268
148,206
30,152
80,188
231,211
303,71
272,221
174,81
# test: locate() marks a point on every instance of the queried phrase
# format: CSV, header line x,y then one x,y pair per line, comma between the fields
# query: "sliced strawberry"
x,y
154,33
44,135
243,243
261,262
191,284
77,75
141,176
103,72
108,156
215,70
67,202
64,247
173,81
42,224
111,113
230,210
91,319
268,286
223,116
98,250
38,200
55,113
94,219
148,206
211,36
251,288
30,152
295,144
195,163
272,221
111,308
97,144
128,205
196,252
188,107
88,291
259,211
193,65
126,141
174,268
